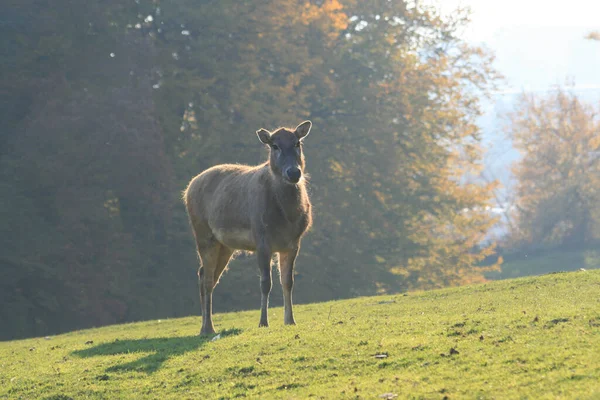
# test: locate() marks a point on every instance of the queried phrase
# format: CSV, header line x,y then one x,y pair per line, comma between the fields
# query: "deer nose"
x,y
293,174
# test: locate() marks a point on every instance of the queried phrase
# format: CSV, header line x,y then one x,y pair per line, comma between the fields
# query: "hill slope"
x,y
531,337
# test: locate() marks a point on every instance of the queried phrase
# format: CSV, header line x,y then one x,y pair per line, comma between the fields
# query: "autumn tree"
x,y
594,35
416,117
558,175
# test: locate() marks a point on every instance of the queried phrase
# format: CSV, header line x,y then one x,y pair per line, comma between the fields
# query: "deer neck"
x,y
290,198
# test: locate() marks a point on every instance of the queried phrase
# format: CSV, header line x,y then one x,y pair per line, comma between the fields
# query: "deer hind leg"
x,y
209,255
263,254
286,273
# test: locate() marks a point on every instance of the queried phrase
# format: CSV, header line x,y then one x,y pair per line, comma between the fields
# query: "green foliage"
x,y
523,338
87,181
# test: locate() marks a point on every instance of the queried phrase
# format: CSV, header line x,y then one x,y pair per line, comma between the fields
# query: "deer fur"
x,y
264,209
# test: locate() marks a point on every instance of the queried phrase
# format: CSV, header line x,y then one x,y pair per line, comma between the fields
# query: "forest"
x,y
109,108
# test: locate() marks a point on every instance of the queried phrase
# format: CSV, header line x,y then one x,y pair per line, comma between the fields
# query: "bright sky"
x,y
537,43
489,15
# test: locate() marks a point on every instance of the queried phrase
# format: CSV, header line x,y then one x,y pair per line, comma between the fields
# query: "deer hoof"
x,y
207,332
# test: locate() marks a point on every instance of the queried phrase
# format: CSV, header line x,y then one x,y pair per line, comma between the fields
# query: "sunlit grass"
x,y
525,338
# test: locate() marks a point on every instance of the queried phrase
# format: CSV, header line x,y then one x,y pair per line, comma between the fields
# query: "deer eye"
x,y
275,147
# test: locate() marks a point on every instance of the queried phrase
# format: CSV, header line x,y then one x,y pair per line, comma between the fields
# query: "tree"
x,y
408,97
87,182
559,173
594,35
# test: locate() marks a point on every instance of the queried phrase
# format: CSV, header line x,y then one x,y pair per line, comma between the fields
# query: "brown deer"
x,y
263,208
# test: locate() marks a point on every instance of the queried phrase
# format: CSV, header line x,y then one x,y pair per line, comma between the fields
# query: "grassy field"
x,y
525,338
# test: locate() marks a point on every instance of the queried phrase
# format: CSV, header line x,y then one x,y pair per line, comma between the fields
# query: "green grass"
x,y
524,338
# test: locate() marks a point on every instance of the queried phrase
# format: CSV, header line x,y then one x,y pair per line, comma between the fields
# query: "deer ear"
x,y
303,129
264,136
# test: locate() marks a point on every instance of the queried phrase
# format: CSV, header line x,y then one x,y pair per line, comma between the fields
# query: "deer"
x,y
263,209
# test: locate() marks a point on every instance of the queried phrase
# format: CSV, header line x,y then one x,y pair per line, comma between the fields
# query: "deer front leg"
x,y
286,272
264,265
